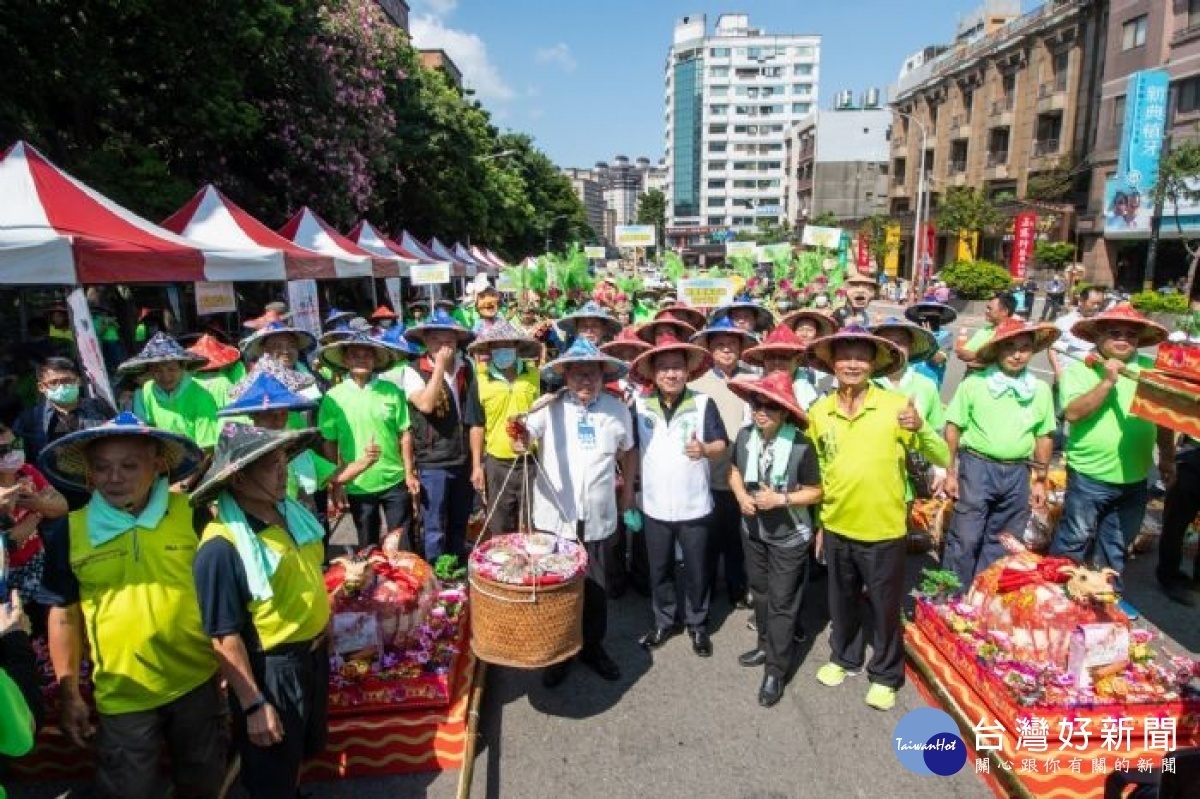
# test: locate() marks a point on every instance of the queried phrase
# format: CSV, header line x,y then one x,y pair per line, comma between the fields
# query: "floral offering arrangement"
x,y
528,559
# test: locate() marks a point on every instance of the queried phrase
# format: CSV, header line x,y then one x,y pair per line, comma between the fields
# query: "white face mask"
x,y
12,461
504,357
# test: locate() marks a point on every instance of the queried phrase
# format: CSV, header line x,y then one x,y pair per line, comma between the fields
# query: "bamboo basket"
x,y
526,626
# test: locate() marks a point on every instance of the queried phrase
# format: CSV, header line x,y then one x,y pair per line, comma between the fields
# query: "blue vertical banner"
x,y
1129,194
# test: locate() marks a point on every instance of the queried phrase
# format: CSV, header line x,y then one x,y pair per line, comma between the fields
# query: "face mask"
x,y
386,323
504,358
63,394
12,461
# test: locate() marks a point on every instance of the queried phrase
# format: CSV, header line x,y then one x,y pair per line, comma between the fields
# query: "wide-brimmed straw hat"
x,y
826,325
921,312
590,310
775,387
218,355
65,460
438,320
334,353
500,335
337,317
252,345
394,338
1043,337
683,313
698,359
266,393
1149,333
723,326
921,343
860,279
292,379
780,341
161,348
764,320
382,312
626,346
240,445
886,360
584,351
650,332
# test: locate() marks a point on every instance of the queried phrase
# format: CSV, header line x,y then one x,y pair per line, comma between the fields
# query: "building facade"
x,y
591,195
837,163
440,60
730,97
1014,102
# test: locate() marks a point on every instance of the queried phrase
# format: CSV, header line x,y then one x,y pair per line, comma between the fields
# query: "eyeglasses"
x,y
757,404
1127,333
16,445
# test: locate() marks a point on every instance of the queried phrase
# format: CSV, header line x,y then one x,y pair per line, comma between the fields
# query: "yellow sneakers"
x,y
881,697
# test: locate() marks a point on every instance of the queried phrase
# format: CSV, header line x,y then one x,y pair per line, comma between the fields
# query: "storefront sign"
x,y
302,300
430,274
88,344
215,297
635,236
706,292
1024,235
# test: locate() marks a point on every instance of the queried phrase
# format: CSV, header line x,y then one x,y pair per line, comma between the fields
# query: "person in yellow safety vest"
x,y
121,578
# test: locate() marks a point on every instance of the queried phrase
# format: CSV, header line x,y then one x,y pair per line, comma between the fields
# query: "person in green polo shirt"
x,y
262,597
1000,308
171,399
998,425
917,344
121,577
1109,450
507,388
365,412
862,433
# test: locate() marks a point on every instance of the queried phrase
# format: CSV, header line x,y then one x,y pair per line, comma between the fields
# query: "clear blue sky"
x,y
585,77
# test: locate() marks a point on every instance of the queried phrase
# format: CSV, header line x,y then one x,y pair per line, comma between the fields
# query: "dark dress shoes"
x,y
771,691
701,643
755,657
598,661
553,676
659,636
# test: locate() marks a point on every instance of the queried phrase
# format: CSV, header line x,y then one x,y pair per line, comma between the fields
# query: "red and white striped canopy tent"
x,y
463,255
410,243
311,231
488,257
458,267
213,218
55,229
368,237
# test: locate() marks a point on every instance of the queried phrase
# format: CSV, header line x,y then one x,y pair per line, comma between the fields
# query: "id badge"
x,y
587,435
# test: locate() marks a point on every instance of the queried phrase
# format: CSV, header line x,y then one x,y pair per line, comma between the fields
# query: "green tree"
x,y
825,219
652,210
1057,183
964,211
1054,254
1179,182
875,229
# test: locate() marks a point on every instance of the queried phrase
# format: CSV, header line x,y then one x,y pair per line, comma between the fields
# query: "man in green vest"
x,y
171,399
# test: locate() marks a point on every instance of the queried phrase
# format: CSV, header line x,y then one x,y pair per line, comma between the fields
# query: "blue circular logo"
x,y
926,741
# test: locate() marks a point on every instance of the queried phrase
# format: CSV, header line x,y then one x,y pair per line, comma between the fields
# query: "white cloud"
x,y
437,8
558,54
467,50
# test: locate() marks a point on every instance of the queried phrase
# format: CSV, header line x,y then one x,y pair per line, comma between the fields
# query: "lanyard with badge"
x,y
585,430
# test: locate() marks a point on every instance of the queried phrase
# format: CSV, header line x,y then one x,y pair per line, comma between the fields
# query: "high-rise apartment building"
x,y
591,195
621,181
837,162
730,98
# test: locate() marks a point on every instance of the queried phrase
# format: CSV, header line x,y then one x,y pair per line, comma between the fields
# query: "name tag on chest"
x,y
586,432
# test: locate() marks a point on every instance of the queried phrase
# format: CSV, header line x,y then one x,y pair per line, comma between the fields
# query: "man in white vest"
x,y
678,432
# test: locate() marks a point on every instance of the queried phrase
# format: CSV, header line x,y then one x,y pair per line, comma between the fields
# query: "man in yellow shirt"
x,y
262,598
861,433
123,574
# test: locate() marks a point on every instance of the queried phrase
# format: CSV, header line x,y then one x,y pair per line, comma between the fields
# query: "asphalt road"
x,y
680,727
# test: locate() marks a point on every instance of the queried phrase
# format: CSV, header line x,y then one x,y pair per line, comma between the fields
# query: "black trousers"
x,y
777,575
509,489
295,681
693,538
726,537
1179,509
595,590
879,568
392,507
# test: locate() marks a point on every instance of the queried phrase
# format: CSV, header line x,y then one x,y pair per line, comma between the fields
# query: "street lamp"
x,y
918,271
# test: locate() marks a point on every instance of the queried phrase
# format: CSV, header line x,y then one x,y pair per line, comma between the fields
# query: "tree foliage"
x,y
1054,254
652,210
1179,182
976,280
1057,183
964,211
875,229
824,219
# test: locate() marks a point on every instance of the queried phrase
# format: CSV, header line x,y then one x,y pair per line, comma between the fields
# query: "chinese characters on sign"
x,y
1128,195
1024,233
706,292
1113,735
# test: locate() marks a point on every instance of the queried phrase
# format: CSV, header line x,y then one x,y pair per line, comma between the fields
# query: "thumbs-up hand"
x,y
372,451
910,418
694,448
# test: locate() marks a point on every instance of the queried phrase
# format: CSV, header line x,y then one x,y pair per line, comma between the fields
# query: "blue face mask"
x,y
504,358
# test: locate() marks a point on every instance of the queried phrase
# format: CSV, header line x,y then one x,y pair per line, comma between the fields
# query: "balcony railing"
x,y
1045,147
997,158
1002,106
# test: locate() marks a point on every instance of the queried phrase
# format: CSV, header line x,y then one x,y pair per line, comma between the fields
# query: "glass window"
x,y
1133,33
716,221
1187,98
718,72
1118,111
716,166
718,91
717,184
802,69
715,202
717,146
718,110
720,130
804,52
719,52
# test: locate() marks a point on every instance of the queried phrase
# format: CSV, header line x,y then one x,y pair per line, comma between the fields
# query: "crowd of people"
x,y
177,542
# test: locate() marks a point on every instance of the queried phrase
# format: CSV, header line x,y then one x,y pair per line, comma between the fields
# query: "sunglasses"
x,y
15,445
757,404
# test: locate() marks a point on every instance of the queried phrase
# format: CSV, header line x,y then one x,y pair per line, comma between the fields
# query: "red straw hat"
x,y
219,355
382,312
683,313
626,346
1149,333
698,358
1043,337
662,326
780,341
775,387
825,323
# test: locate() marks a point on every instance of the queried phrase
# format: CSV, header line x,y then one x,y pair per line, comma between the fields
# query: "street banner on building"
x,y
891,262
215,297
88,344
635,236
862,253
816,236
429,274
968,245
1129,194
302,300
747,248
1024,235
706,292
595,253
393,291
